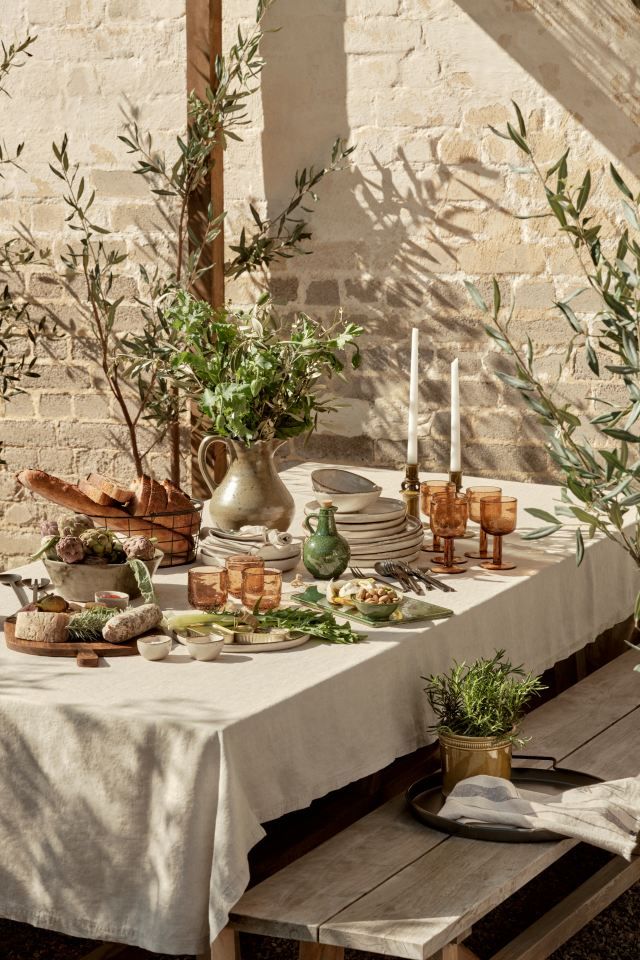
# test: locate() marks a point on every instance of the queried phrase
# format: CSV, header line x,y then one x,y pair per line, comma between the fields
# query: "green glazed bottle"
x,y
325,553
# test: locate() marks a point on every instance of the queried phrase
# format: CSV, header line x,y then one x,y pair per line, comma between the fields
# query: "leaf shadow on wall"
x,y
385,235
585,53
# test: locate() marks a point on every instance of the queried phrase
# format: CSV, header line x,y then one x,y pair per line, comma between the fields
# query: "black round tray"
x,y
425,801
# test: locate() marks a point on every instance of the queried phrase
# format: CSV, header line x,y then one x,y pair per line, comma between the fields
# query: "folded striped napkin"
x,y
606,815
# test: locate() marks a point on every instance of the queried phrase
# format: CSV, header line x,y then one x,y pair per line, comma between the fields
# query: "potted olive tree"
x,y
478,708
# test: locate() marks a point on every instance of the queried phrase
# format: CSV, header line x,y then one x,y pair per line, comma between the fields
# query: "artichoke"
x,y
73,525
101,544
49,528
70,550
139,547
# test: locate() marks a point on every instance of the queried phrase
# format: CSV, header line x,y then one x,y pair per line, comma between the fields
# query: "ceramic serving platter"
x,y
368,531
412,610
269,647
368,560
382,510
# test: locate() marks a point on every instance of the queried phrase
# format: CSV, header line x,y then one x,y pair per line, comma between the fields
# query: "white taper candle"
x,y
412,431
455,462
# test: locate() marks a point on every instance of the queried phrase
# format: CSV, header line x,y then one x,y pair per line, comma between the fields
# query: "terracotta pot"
x,y
251,491
464,757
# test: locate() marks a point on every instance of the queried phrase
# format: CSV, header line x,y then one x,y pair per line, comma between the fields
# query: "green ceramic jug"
x,y
325,553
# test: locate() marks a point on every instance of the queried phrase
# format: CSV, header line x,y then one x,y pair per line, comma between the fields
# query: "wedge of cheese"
x,y
42,627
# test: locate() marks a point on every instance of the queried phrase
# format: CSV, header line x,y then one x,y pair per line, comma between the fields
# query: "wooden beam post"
x,y
204,43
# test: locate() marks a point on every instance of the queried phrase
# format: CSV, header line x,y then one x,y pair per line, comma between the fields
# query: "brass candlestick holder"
x,y
455,476
410,489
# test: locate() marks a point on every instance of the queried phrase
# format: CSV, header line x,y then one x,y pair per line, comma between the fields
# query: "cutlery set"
x,y
411,579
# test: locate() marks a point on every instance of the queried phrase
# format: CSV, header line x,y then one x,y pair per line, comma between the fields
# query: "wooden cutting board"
x,y
86,654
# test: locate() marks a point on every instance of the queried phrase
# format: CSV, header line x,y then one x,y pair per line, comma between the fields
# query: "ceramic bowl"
x,y
206,648
350,502
81,581
376,611
331,480
113,599
154,647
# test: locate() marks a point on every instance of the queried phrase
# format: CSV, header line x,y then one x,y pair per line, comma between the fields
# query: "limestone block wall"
x,y
427,202
93,61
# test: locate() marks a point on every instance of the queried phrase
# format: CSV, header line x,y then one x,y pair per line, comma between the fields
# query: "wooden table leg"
x,y
226,946
457,951
320,951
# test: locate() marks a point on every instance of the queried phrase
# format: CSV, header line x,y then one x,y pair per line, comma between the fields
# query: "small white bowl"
x,y
114,599
349,502
155,647
333,480
205,648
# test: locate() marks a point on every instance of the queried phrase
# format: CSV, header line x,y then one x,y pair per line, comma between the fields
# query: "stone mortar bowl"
x,y
81,581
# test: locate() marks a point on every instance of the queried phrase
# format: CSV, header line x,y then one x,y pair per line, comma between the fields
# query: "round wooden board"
x,y
69,649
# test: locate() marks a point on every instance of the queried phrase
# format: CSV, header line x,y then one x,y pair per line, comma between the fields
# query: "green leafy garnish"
x,y
86,626
143,579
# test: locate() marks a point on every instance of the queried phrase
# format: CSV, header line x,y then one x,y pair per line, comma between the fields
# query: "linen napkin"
x,y
606,815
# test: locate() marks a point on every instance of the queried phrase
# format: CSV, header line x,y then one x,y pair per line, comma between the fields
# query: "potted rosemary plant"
x,y
478,708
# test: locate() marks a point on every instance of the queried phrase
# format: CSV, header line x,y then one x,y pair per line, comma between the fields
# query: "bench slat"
x,y
296,900
614,753
428,904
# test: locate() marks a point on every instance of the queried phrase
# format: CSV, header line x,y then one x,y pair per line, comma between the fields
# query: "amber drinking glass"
x,y
207,587
264,585
448,514
428,488
235,565
498,517
475,495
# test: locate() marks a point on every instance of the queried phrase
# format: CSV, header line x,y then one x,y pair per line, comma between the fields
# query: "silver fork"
x,y
391,569
361,575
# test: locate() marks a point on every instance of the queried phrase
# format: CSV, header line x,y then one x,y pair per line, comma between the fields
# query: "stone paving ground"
x,y
613,935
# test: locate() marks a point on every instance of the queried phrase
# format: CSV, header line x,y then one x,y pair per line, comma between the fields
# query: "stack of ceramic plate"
x,y
279,551
382,531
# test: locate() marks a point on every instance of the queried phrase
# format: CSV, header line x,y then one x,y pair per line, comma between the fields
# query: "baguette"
x,y
69,496
112,488
94,493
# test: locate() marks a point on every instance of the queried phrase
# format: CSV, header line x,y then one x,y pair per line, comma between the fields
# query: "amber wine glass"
x,y
475,495
498,517
428,488
448,515
235,566
261,588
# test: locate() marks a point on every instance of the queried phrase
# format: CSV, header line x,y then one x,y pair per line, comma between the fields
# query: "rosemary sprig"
x,y
86,627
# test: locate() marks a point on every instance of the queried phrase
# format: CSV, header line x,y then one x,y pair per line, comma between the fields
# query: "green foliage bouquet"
x,y
253,376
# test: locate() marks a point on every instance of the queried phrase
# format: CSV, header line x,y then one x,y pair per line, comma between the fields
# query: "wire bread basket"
x,y
176,532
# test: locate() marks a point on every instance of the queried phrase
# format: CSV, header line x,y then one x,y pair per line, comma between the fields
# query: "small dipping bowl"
x,y
154,647
376,611
112,599
205,648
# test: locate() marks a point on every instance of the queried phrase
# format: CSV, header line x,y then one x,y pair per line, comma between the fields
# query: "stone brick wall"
x,y
91,59
427,203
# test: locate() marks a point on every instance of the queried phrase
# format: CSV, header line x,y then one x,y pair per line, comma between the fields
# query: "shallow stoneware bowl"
x,y
205,648
350,502
155,647
332,480
376,611
81,581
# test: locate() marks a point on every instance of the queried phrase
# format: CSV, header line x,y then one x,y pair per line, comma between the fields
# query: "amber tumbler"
x,y
261,588
428,489
207,587
235,565
498,517
448,515
475,495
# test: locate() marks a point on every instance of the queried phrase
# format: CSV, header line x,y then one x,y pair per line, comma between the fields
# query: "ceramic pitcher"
x,y
251,491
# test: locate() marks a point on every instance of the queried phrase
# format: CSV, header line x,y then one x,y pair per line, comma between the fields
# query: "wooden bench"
x,y
392,886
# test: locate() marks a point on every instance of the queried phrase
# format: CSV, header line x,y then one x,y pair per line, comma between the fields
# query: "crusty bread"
x,y
157,498
141,493
178,500
70,496
117,491
95,494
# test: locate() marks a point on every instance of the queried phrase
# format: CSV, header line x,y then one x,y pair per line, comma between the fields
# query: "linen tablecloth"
x,y
130,795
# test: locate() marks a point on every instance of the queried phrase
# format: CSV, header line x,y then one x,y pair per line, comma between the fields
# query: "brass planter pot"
x,y
464,757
